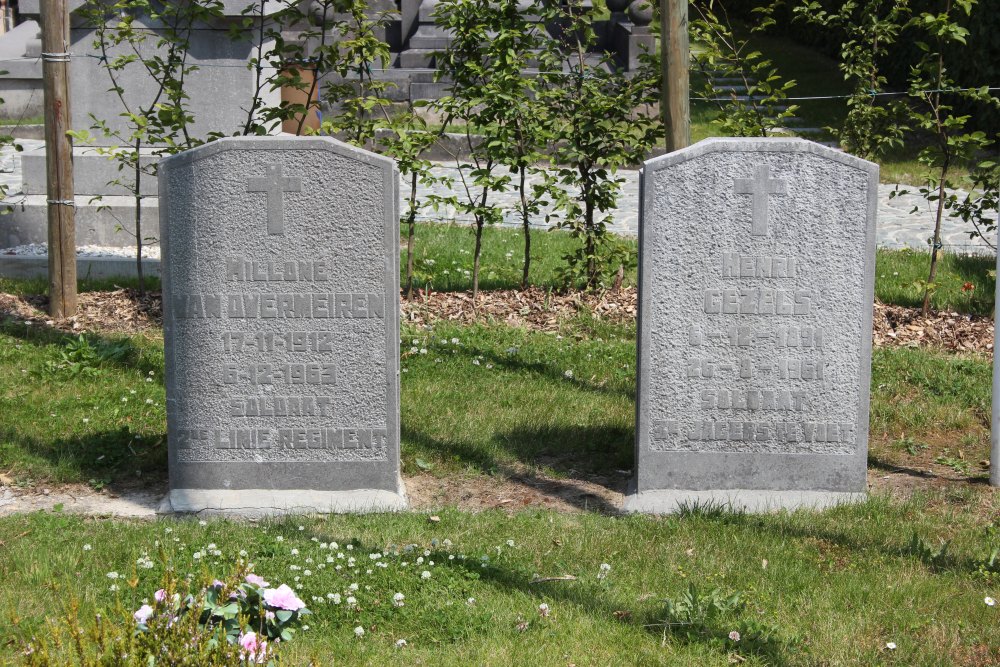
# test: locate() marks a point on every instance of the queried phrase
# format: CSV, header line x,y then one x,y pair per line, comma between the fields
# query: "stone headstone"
x,y
757,262
995,423
281,326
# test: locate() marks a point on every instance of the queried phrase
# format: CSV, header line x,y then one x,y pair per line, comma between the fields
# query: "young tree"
x,y
597,112
161,120
871,27
407,139
932,92
490,42
759,108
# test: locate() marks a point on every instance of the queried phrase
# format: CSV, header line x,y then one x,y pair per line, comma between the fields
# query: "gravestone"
x,y
757,262
281,326
995,423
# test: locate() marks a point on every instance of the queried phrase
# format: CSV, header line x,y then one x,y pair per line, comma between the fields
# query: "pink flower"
x,y
283,597
734,635
143,614
254,648
257,580
160,595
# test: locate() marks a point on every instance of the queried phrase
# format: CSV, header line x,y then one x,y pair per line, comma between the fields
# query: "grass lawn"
x,y
488,403
831,588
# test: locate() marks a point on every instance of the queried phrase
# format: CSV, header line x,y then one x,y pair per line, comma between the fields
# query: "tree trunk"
x,y
935,243
138,219
527,233
475,260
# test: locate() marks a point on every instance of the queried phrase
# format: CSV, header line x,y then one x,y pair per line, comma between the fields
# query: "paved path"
x,y
897,227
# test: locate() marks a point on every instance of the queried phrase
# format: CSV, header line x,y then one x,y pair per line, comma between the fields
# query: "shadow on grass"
x,y
109,459
981,479
535,447
548,371
785,526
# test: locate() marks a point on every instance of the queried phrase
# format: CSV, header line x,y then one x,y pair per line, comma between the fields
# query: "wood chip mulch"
x,y
118,311
905,327
124,311
535,308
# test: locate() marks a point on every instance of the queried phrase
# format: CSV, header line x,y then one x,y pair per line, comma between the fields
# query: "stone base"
x,y
756,501
254,503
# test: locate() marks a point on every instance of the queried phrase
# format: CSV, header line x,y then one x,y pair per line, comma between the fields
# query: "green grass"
x,y
443,257
964,283
826,588
495,401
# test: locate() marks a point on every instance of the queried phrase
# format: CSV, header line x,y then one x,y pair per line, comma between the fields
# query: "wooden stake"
x,y
59,159
674,55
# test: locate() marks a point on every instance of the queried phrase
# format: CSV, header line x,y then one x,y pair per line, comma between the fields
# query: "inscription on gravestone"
x,y
281,327
756,290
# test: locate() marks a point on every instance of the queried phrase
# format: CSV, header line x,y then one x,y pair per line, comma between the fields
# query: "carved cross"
x,y
760,186
274,184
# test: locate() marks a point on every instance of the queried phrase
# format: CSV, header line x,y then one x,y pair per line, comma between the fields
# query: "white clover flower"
x,y
510,543
397,599
990,602
87,547
420,560
202,523
603,570
113,587
350,547
359,632
279,538
334,545
400,643
295,552
351,600
243,553
470,601
307,573
86,420
302,527
353,587
113,575
425,575
568,374
543,610
734,635
423,350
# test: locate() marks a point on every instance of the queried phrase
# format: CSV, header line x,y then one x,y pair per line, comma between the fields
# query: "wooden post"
x,y
59,159
674,55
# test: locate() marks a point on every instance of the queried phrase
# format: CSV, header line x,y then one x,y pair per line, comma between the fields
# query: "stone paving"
x,y
897,227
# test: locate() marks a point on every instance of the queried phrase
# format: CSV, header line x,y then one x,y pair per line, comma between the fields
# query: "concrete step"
x,y
416,58
24,267
97,222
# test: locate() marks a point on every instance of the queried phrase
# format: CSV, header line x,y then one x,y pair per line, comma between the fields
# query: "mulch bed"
x,y
124,311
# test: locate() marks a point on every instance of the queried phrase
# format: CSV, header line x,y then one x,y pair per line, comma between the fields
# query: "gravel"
x,y
42,250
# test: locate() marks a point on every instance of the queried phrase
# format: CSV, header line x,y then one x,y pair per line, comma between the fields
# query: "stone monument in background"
x,y
281,327
757,261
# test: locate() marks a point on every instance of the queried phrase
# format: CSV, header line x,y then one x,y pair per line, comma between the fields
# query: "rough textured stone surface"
x,y
281,308
756,288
